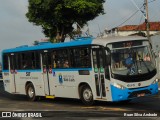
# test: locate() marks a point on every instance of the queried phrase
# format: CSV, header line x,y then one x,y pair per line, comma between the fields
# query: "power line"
x,y
152,1
139,9
128,18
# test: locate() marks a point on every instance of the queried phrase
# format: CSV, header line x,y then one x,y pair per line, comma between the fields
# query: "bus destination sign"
x,y
126,44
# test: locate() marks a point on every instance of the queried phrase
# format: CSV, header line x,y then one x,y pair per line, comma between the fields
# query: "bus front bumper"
x,y
126,94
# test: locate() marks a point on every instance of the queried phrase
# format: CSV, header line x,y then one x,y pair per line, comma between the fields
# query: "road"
x,y
71,108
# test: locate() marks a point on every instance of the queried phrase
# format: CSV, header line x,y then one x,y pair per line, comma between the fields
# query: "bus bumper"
x,y
126,94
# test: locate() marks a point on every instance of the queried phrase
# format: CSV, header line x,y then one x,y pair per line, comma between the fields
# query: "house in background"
x,y
128,30
155,40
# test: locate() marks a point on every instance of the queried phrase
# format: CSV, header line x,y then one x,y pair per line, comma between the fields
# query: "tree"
x,y
56,17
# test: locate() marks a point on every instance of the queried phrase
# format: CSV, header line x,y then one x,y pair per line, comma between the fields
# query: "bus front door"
x,y
13,72
99,72
46,68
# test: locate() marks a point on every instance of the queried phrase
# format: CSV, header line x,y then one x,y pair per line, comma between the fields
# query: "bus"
x,y
90,69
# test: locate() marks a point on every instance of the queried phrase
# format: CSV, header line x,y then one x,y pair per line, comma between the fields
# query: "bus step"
x,y
50,97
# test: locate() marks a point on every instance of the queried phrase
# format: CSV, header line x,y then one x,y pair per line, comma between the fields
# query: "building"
x,y
128,30
155,40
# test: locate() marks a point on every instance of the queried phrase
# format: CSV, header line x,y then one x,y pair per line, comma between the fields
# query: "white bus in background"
x,y
104,69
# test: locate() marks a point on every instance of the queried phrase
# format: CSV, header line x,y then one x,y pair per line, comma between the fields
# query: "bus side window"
x,y
54,59
37,60
5,62
60,58
80,57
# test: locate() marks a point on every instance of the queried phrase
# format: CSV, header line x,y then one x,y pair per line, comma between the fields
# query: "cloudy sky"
x,y
15,30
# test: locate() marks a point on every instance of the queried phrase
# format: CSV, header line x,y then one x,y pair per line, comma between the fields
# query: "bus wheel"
x,y
86,95
31,92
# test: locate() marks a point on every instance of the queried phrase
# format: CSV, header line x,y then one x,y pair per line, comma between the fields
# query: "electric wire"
x,y
134,14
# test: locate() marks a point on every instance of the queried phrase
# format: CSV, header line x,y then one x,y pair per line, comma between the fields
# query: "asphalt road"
x,y
71,108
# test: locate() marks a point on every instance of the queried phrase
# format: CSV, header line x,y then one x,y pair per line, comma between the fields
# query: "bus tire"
x,y
86,95
30,91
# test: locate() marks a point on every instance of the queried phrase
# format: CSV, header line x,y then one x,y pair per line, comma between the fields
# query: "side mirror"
x,y
108,56
108,59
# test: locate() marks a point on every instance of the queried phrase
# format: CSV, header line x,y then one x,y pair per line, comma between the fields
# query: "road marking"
x,y
88,107
114,109
105,108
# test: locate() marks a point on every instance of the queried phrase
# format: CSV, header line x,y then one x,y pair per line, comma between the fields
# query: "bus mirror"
x,y
108,60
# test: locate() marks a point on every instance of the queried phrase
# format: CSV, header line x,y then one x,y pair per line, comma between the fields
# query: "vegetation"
x,y
56,17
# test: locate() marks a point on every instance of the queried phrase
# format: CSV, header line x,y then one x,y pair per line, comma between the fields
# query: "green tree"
x,y
56,17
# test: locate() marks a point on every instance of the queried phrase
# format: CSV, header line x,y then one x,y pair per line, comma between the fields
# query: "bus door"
x,y
99,71
13,72
46,65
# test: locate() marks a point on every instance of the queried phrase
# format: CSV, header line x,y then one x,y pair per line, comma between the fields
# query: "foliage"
x,y
57,16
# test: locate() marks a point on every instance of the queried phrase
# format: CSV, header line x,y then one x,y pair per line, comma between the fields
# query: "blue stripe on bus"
x,y
72,69
65,69
5,70
36,70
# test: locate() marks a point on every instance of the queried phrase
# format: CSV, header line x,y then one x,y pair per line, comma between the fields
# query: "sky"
x,y
15,30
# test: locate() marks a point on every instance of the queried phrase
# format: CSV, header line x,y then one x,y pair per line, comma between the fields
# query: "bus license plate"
x,y
140,95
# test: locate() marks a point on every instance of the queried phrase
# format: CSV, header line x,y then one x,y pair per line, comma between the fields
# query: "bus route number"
x,y
127,44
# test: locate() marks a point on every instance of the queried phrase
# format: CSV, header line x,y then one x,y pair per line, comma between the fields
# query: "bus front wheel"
x,y
86,95
30,91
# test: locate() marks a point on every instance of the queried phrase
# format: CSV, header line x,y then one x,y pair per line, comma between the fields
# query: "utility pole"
x,y
147,21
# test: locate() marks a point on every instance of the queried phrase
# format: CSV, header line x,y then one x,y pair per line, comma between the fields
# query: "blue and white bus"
x,y
104,69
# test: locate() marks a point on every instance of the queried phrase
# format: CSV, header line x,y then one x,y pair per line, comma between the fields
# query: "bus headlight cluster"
x,y
118,86
155,81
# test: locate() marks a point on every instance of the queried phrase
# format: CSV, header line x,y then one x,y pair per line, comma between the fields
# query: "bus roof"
x,y
76,42
113,39
49,45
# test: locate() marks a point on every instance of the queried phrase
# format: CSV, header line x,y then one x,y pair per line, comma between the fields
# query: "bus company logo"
x,y
60,78
28,73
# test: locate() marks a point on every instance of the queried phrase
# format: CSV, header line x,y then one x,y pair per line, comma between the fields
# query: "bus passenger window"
x,y
80,57
25,66
5,62
60,58
66,64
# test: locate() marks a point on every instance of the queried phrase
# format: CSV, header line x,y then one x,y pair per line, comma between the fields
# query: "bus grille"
x,y
136,93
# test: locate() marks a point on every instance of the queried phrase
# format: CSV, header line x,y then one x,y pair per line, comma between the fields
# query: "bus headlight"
x,y
118,86
155,81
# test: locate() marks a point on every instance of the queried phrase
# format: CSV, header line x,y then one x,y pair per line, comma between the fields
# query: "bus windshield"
x,y
132,61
